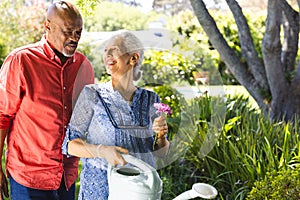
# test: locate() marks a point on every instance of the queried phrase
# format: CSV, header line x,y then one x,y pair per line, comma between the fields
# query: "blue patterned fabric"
x,y
130,127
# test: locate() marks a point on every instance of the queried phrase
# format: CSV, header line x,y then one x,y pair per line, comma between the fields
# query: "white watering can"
x,y
142,182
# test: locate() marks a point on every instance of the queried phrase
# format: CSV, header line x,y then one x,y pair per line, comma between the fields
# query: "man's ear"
x,y
47,25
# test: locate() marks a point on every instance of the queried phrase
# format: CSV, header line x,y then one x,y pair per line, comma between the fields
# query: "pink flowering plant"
x,y
162,108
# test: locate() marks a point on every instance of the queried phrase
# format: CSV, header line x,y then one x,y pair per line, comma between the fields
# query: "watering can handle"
x,y
132,160
145,167
137,162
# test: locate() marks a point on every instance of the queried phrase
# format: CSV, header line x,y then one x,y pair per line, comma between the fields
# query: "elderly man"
x,y
39,84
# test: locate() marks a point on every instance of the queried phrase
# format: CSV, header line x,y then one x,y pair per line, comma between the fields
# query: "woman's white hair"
x,y
132,44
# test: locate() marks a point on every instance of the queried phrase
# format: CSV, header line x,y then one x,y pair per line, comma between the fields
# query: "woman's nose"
x,y
109,52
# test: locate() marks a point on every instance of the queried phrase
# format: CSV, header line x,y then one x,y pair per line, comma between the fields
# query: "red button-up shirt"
x,y
37,94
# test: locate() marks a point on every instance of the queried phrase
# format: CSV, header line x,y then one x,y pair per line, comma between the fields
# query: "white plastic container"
x,y
138,182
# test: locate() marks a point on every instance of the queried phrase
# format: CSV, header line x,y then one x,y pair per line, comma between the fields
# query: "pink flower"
x,y
162,108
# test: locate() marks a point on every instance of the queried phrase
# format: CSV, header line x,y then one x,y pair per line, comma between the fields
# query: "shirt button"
x,y
65,126
65,107
64,88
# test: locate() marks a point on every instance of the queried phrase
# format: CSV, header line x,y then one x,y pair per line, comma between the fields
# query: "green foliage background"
x,y
250,149
277,185
109,16
191,50
20,25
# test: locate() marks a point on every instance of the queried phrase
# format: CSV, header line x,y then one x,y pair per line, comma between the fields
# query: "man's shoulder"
x,y
80,55
27,48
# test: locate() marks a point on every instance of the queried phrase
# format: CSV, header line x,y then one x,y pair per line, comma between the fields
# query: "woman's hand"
x,y
112,154
160,126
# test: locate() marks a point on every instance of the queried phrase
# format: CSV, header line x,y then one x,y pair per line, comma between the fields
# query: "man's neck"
x,y
62,58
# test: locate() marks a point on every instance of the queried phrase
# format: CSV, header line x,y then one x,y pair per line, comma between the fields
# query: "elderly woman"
x,y
114,118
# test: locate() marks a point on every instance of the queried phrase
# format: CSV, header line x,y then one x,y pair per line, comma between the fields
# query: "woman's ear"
x,y
134,58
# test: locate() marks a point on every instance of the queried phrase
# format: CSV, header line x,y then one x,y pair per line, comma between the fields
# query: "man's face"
x,y
63,34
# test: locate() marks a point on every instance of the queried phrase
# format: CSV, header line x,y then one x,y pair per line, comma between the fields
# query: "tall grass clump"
x,y
249,146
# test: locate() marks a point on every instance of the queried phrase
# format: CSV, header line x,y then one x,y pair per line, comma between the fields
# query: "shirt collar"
x,y
50,53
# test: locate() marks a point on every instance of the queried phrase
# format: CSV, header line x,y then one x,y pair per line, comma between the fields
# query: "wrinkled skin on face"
x,y
63,29
115,57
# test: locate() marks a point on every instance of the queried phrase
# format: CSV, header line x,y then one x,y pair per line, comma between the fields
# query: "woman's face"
x,y
115,58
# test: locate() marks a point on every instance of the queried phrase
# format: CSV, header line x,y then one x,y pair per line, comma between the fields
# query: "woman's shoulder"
x,y
147,91
148,94
97,87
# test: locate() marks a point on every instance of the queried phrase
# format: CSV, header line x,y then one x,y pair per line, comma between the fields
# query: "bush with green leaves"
x,y
277,185
176,101
20,25
166,67
186,24
110,16
191,42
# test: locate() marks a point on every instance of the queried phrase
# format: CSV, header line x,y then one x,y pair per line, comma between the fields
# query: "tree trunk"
x,y
269,82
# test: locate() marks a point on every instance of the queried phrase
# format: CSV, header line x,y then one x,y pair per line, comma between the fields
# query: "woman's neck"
x,y
125,87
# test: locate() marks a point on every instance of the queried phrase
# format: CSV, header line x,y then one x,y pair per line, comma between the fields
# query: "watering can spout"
x,y
184,196
202,190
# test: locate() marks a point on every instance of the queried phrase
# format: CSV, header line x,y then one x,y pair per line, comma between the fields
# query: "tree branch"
x,y
271,49
291,34
237,68
247,45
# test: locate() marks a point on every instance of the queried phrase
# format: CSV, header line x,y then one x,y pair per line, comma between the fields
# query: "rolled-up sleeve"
x,y
81,117
11,89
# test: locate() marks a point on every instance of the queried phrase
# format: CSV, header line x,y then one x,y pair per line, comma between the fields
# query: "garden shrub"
x,y
20,25
277,185
168,67
101,18
170,96
3,53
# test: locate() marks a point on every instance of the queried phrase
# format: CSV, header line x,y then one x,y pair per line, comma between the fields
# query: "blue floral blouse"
x,y
102,116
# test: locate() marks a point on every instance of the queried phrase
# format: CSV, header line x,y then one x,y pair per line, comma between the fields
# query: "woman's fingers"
x,y
113,155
